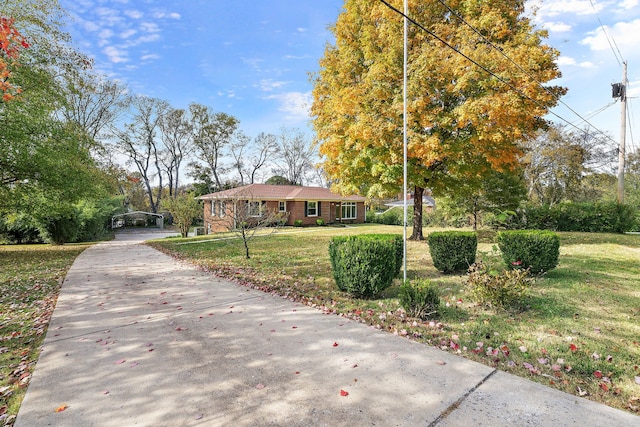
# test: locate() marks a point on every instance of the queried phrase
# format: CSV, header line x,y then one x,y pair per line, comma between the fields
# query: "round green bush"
x,y
536,250
453,251
365,265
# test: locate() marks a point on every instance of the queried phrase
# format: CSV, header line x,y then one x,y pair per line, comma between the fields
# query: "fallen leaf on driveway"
x,y
260,386
344,393
335,344
61,408
119,362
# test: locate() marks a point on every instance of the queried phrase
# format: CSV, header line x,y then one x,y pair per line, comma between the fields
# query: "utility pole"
x,y
620,91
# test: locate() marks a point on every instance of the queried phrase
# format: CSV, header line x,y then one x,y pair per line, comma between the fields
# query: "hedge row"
x,y
607,217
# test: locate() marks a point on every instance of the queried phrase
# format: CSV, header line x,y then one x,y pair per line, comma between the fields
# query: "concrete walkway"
x,y
138,338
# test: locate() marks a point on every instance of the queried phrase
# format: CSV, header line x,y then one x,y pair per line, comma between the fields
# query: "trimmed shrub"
x,y
365,265
320,222
297,223
608,217
453,251
421,299
498,288
535,250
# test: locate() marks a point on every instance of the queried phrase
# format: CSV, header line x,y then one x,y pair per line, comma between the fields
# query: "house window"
x,y
213,208
223,209
349,210
255,208
312,208
282,206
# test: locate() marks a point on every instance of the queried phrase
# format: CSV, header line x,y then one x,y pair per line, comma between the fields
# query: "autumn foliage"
x,y
11,41
463,119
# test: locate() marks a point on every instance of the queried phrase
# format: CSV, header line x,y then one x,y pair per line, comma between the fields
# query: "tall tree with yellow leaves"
x,y
463,119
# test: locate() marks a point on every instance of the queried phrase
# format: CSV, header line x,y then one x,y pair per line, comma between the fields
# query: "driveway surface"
x,y
140,339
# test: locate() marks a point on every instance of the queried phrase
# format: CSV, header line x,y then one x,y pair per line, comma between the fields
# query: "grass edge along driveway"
x,y
30,281
578,330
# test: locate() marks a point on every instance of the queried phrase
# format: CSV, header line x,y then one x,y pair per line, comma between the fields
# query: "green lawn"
x,y
579,333
30,278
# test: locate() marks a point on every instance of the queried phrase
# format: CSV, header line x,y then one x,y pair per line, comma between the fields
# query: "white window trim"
x,y
316,208
259,203
282,206
213,207
223,208
353,207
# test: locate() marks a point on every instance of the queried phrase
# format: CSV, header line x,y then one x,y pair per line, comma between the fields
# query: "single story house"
x,y
306,204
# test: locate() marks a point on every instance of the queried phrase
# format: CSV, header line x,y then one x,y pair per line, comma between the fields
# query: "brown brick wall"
x,y
295,210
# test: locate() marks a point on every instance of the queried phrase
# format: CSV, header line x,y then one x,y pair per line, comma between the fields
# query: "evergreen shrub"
x,y
535,250
365,265
453,251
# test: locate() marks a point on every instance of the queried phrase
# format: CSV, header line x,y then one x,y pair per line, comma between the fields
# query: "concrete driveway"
x,y
138,338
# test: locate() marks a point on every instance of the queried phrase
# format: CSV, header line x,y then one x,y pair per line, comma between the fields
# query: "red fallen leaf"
x,y
335,344
61,408
105,392
573,348
119,362
180,329
604,387
133,364
260,386
440,362
344,393
297,372
597,374
294,327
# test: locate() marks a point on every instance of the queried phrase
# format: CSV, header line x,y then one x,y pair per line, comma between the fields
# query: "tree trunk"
x,y
417,214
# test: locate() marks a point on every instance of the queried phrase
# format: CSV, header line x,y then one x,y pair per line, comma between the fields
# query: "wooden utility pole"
x,y
622,92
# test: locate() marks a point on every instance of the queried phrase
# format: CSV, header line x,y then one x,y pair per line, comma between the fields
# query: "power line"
x,y
505,82
527,73
610,40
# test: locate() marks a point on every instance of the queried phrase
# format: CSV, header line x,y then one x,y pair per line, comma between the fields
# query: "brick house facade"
x,y
306,204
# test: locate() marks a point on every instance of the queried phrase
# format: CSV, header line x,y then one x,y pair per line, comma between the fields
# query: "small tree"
x,y
246,215
184,209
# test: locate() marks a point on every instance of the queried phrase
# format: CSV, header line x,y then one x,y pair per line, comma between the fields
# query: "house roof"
x,y
280,192
426,201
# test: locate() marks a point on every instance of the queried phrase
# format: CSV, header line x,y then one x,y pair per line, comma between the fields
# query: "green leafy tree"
x,y
185,209
462,120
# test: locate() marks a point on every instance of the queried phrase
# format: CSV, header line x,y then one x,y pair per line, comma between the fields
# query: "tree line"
x,y
76,147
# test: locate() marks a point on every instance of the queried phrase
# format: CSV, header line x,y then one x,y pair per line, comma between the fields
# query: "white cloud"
x,y
301,30
628,4
549,8
625,34
268,85
295,105
127,33
134,14
149,27
566,60
91,26
557,27
149,56
115,55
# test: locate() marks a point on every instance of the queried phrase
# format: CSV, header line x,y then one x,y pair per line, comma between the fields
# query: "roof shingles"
x,y
280,192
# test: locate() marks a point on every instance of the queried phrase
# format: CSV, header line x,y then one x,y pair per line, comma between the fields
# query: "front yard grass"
x,y
579,330
30,279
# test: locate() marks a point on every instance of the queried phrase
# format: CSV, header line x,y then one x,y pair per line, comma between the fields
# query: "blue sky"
x,y
251,58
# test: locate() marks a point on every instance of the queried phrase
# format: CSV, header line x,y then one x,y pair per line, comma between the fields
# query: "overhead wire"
x,y
610,40
505,82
